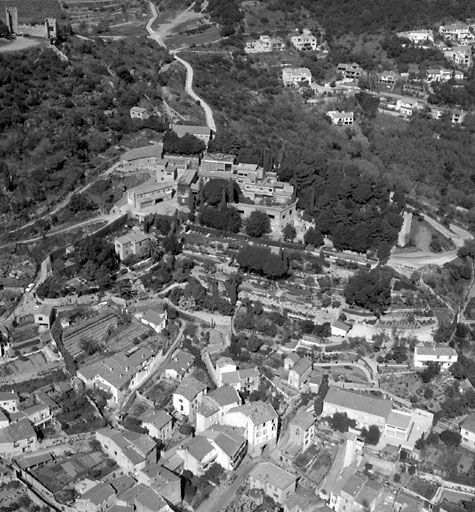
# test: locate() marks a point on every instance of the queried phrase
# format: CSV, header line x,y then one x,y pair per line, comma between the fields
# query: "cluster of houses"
x,y
183,178
302,41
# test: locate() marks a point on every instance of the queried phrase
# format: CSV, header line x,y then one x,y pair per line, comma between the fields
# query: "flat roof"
x,y
423,350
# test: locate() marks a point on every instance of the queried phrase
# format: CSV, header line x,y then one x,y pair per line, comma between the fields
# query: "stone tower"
x,y
11,19
51,28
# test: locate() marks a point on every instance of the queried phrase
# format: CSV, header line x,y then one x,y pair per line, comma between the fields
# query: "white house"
x,y
264,44
156,319
214,406
340,328
445,356
304,42
418,36
260,421
44,316
224,365
139,113
294,77
456,31
188,396
341,118
159,424
9,401
408,106
467,431
461,55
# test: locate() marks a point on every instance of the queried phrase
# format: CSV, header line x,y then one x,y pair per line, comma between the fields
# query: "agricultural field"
x,y
34,11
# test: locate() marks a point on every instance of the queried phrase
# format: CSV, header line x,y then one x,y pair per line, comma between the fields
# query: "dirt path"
x,y
20,43
159,35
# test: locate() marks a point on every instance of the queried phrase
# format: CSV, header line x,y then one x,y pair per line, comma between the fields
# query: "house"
x,y
156,319
264,44
295,77
44,316
273,481
299,373
120,372
441,74
4,421
456,116
179,365
130,450
461,55
408,106
38,415
356,492
224,365
445,356
418,36
404,428
341,118
97,499
364,409
456,31
9,401
134,243
350,71
200,132
259,421
388,77
467,431
188,396
150,501
247,379
159,477
220,445
302,430
214,405
143,157
339,328
290,360
139,113
304,42
18,438
159,424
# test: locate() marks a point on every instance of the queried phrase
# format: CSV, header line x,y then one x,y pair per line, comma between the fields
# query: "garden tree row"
x,y
262,261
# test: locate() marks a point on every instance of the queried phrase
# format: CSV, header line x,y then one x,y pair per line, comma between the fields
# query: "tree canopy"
x,y
257,224
370,289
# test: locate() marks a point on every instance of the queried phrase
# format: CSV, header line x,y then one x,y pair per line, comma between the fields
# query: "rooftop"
x,y
223,361
98,494
423,350
303,419
228,439
20,430
132,237
257,412
199,447
152,151
5,396
181,130
302,365
358,402
157,418
190,388
154,317
268,472
399,419
225,395
469,424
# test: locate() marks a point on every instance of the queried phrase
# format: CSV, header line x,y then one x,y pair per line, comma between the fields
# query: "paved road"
x,y
229,494
158,37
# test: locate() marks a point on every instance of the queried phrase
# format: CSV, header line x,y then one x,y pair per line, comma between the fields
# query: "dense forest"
x,y
342,176
351,16
57,117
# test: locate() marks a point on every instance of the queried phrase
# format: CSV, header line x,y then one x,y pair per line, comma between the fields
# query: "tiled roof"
x,y
257,412
303,419
181,130
270,473
18,431
152,151
358,402
199,447
98,494
157,418
225,395
190,388
5,396
301,366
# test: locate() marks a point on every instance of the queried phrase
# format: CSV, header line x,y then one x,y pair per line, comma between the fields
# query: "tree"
x,y
289,232
90,346
318,406
187,430
370,289
450,439
431,371
340,421
257,224
371,435
313,237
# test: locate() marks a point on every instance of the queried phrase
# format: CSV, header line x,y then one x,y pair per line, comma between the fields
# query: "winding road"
x,y
159,39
